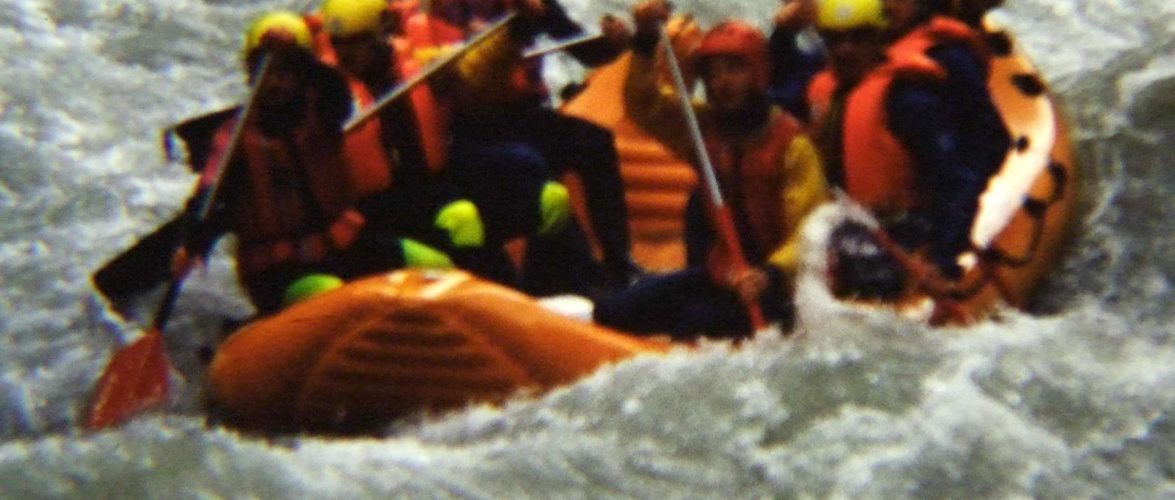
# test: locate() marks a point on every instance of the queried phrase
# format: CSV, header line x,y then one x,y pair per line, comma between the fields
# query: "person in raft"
x,y
289,194
768,170
508,179
517,112
796,55
907,128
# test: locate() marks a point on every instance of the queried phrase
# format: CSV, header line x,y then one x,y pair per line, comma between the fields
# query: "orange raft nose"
x,y
353,359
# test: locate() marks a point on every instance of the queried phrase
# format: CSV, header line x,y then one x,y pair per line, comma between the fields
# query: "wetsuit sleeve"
x,y
202,235
792,67
983,132
332,96
654,107
950,174
804,188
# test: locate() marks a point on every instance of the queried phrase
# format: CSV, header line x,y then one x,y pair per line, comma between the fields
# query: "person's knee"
x,y
554,208
463,223
421,256
308,286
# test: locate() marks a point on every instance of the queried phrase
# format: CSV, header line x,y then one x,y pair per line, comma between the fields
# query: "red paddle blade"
x,y
135,379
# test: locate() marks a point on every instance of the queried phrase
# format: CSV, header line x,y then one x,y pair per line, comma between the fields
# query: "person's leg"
x,y
560,263
571,144
685,305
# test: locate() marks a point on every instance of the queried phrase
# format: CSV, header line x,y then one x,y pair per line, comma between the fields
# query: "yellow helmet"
x,y
353,17
287,23
838,15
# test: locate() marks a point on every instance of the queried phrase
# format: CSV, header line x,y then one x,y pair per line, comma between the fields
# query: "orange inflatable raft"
x,y
354,359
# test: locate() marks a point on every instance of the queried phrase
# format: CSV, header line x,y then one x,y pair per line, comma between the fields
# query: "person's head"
x,y
358,30
732,62
854,31
280,33
282,94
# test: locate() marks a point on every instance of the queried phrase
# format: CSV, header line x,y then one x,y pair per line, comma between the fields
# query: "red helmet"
x,y
734,38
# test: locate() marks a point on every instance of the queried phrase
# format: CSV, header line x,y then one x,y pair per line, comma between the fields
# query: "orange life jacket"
x,y
295,204
937,31
878,170
751,176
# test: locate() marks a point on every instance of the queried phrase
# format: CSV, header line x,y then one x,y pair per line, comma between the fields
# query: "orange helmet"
x,y
734,38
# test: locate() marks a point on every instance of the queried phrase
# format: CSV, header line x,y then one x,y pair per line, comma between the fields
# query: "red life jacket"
x,y
878,171
432,118
752,178
426,31
295,205
370,169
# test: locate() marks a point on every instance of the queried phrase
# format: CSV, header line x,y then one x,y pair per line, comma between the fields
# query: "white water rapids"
x,y
1074,400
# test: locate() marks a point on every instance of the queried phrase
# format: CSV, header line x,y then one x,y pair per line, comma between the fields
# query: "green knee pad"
x,y
309,286
419,255
554,207
463,223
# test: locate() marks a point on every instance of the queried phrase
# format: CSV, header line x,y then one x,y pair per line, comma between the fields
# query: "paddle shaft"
x,y
720,213
562,45
210,184
426,72
136,377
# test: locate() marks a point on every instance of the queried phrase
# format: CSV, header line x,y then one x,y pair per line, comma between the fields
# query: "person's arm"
x,y
984,134
950,176
651,105
804,188
795,57
558,25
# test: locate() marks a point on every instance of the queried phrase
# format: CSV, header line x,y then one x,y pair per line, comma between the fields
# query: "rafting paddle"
x,y
719,211
136,378
147,264
436,65
562,45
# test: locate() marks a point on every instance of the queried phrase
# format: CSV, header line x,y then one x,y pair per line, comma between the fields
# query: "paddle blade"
x,y
135,379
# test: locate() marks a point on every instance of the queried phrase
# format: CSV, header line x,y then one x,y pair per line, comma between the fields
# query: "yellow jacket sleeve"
x,y
483,75
804,188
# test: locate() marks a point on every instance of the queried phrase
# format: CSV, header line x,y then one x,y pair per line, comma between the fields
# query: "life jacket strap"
x,y
307,249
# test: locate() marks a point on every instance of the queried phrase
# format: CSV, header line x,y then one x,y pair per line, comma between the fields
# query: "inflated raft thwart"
x,y
356,358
